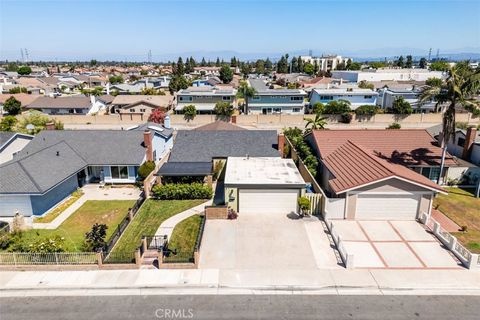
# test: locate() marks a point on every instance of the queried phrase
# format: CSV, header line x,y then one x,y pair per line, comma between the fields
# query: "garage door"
x,y
387,207
268,201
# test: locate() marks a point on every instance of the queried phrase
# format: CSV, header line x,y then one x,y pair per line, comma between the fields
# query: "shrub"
x,y
45,245
12,106
346,117
95,238
304,204
366,110
318,107
218,169
224,109
337,107
145,169
394,126
157,116
303,149
189,112
401,106
182,191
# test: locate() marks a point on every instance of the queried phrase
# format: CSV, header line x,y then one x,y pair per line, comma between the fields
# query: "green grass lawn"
x,y
185,234
461,206
74,228
148,219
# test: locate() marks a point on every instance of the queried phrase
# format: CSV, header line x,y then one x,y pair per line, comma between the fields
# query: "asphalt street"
x,y
241,307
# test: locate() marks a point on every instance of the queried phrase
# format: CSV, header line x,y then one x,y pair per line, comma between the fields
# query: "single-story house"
x,y
11,143
378,174
140,104
55,163
63,105
262,185
24,98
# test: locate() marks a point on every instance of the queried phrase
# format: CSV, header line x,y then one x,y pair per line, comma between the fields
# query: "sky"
x,y
127,30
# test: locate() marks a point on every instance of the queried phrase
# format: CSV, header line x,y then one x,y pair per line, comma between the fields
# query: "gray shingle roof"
x,y
79,102
185,169
5,136
202,146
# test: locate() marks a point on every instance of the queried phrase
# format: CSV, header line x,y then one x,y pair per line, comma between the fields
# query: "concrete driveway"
x,y
393,244
266,241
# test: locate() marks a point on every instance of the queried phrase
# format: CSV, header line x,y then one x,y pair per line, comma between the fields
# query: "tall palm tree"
x,y
246,92
460,88
317,123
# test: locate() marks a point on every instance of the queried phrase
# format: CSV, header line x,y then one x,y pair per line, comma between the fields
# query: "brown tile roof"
x,y
219,125
24,98
354,166
410,147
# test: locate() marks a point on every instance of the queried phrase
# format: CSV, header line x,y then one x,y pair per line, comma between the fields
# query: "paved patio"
x,y
393,244
266,241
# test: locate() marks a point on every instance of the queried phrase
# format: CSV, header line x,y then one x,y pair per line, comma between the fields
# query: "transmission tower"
x,y
430,54
23,56
26,55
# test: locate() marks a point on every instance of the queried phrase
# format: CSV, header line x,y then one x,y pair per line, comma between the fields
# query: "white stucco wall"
x,y
15,146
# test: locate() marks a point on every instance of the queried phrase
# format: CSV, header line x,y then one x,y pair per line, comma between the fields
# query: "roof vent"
x,y
58,153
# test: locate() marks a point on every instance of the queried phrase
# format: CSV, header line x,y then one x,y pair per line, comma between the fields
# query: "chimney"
x,y
166,122
147,141
50,126
281,143
469,140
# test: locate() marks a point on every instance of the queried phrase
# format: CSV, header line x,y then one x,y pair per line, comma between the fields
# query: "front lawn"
x,y
461,206
74,228
185,235
148,219
49,217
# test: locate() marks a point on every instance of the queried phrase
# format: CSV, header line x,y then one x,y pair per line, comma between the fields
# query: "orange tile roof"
x,y
410,147
353,166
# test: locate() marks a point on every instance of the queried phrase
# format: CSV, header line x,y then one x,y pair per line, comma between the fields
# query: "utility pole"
x,y
438,54
149,56
429,54
23,57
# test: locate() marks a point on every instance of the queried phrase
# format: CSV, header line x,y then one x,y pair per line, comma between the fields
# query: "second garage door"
x,y
268,200
387,207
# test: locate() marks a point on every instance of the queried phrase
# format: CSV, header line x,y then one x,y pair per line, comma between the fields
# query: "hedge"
x,y
182,191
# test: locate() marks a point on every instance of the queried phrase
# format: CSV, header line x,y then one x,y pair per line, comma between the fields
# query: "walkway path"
x,y
91,192
166,228
446,223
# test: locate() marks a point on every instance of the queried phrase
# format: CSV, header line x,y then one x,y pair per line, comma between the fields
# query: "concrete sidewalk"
x,y
215,281
166,228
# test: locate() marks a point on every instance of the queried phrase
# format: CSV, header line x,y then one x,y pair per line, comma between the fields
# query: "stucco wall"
x,y
392,185
41,204
10,204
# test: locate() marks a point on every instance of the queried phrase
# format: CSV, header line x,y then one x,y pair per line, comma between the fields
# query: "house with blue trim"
x,y
56,162
356,96
275,101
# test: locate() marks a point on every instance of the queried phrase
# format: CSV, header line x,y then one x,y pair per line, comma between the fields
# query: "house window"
x,y
277,110
431,173
296,109
296,98
119,172
326,97
132,110
185,98
461,142
226,98
142,110
367,97
256,98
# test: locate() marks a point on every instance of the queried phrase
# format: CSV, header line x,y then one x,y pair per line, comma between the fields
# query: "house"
x,y
356,96
204,98
198,152
275,101
262,185
378,174
386,97
219,125
24,98
55,163
11,143
140,104
63,105
374,75
325,63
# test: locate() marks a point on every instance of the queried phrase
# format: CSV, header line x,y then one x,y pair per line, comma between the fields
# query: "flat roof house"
x,y
374,75
275,101
204,98
55,163
356,96
387,96
378,174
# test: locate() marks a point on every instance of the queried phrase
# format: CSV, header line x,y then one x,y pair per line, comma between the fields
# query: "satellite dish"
x,y
30,127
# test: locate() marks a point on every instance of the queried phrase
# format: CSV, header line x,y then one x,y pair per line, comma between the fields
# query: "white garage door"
x,y
387,207
268,201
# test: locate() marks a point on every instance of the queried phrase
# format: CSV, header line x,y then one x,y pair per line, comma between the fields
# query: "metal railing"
x,y
53,258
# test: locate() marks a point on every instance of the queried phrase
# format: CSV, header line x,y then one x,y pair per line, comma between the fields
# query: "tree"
x,y
318,107
422,63
246,69
308,68
282,65
409,62
399,62
12,106
203,63
434,82
354,65
260,66
24,70
95,238
226,74
317,123
157,116
177,83
217,63
401,106
439,65
233,62
8,123
366,85
377,64
115,79
300,64
93,62
15,90
460,88
337,107
268,65
189,112
245,92
223,109
366,110
179,69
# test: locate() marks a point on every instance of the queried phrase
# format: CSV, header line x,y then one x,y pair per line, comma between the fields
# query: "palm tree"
x,y
246,92
460,88
315,124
